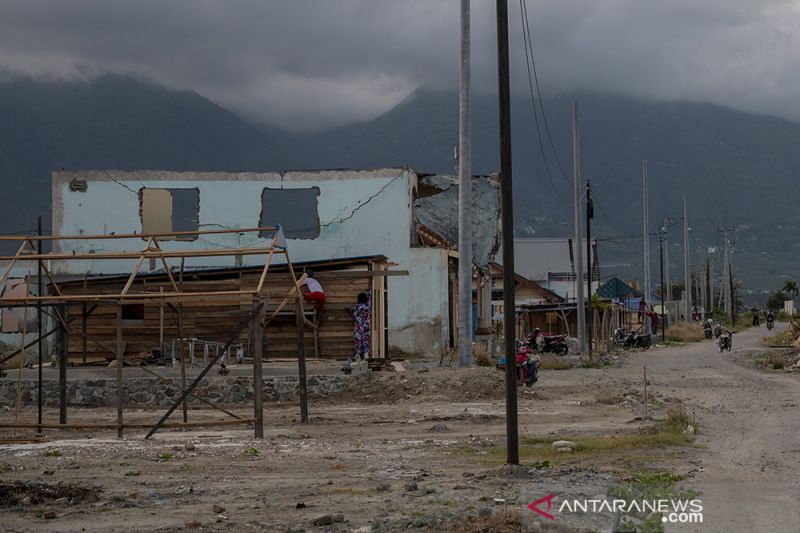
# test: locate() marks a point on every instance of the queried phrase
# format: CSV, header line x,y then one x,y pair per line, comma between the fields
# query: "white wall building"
x,y
325,215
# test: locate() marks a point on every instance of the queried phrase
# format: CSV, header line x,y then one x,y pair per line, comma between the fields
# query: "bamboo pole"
x,y
131,425
134,235
21,366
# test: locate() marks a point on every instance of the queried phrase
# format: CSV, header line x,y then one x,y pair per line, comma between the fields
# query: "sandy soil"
x,y
424,450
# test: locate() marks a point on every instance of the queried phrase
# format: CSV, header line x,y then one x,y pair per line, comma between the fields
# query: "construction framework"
x,y
31,250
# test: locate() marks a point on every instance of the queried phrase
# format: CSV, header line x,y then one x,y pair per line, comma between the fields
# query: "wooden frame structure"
x,y
259,317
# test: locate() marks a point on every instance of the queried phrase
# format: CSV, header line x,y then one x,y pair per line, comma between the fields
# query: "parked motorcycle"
x,y
726,341
619,337
634,340
556,344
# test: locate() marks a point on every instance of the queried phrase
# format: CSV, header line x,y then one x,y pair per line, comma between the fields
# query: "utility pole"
x,y
506,204
726,273
666,261
39,321
589,216
709,300
687,278
661,234
576,177
464,197
701,279
727,284
647,325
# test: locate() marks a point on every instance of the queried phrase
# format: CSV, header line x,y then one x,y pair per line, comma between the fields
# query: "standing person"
x,y
315,292
362,330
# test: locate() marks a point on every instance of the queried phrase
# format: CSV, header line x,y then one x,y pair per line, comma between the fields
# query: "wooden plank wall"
x,y
215,318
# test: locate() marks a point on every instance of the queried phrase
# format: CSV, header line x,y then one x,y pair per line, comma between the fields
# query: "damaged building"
x,y
394,216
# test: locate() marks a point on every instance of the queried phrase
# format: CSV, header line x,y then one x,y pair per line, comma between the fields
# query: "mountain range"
x,y
736,169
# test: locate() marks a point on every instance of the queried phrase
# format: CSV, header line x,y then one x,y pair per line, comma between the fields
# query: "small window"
x,y
76,185
296,210
133,314
170,210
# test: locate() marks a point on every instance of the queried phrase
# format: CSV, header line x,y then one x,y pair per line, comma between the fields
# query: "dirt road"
x,y
750,427
424,450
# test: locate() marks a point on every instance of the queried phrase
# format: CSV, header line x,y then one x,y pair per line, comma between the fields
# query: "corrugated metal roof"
x,y
439,212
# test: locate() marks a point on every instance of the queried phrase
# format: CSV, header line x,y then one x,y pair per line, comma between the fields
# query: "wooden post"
x,y
258,375
644,368
63,351
301,362
161,324
119,371
181,358
84,316
180,343
21,364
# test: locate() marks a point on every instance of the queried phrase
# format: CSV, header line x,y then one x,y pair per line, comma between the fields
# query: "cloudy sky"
x,y
307,64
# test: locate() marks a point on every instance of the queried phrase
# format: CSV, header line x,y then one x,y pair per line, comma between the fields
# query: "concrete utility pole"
x,y
507,204
464,199
576,178
687,278
589,216
727,276
661,233
647,325
665,247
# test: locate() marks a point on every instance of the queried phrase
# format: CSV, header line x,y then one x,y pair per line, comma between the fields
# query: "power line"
x,y
529,50
527,30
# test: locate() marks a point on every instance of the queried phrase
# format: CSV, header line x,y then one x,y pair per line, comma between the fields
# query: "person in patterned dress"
x,y
362,325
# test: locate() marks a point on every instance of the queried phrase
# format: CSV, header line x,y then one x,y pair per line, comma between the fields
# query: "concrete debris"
x,y
324,520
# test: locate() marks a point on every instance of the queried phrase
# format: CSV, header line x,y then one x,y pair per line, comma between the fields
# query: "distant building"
x,y
550,262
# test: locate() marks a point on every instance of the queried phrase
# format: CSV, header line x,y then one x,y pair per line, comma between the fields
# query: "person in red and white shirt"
x,y
315,292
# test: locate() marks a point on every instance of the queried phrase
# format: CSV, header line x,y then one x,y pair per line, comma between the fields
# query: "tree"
x,y
790,288
775,301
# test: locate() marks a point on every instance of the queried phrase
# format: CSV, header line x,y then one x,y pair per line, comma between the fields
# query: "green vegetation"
x,y
774,360
649,486
784,338
608,397
672,432
685,332
52,453
165,456
253,452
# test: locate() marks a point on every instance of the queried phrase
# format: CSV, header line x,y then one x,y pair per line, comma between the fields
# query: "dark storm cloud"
x,y
307,63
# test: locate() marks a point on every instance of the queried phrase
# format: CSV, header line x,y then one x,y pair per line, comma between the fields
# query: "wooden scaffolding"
x,y
57,303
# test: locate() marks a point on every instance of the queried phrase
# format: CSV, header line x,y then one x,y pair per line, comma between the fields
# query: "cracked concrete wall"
x,y
361,213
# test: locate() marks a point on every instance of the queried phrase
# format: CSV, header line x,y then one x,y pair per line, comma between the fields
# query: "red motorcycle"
x,y
556,344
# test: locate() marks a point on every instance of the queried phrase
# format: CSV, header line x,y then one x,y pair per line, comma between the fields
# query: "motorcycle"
x,y
556,344
619,337
718,330
707,331
634,340
726,341
527,364
770,324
